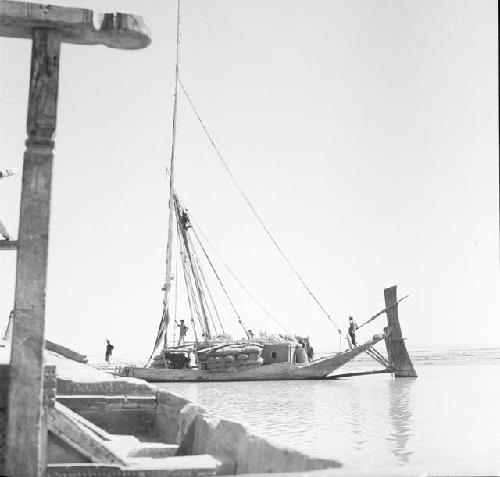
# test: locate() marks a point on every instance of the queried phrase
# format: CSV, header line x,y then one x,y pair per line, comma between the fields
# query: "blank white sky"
x,y
364,131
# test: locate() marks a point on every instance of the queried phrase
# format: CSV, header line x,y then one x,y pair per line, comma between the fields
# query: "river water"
x,y
445,421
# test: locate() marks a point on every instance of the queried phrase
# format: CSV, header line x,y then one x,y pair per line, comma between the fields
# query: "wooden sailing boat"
x,y
214,356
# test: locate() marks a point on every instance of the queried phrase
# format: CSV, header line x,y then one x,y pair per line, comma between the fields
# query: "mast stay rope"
x,y
252,208
196,226
238,281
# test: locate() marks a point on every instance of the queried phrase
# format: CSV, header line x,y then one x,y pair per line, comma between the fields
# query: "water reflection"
x,y
356,419
400,416
374,422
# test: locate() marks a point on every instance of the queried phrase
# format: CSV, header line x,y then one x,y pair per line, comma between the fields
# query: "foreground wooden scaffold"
x,y
47,26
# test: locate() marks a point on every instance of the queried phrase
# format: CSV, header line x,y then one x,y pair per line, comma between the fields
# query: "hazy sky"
x,y
365,132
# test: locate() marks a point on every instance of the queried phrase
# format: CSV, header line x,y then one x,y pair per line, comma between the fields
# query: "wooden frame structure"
x,y
47,26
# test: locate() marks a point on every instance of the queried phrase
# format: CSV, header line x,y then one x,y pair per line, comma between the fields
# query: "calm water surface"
x,y
446,420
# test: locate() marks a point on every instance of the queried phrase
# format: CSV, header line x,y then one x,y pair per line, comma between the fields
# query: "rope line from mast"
x,y
191,289
226,266
196,278
203,286
252,208
240,321
207,288
238,281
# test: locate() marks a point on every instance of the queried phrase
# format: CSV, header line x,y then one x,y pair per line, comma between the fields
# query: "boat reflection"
x,y
400,417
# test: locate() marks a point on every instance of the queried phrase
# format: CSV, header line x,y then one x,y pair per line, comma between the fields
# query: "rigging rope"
x,y
238,281
382,311
176,291
191,289
252,208
203,284
226,266
193,271
207,288
240,321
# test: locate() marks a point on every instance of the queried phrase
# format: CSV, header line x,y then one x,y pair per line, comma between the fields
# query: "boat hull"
x,y
317,369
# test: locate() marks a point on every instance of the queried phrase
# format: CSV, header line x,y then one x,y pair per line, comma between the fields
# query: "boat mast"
x,y
183,228
168,267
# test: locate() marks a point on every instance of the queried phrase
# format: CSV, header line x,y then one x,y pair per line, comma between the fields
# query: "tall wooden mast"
x,y
171,207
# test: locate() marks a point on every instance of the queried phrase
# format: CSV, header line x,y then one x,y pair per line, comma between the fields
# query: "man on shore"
x,y
352,330
109,351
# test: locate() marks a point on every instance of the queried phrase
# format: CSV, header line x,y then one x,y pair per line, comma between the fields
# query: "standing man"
x,y
182,333
5,173
109,350
352,330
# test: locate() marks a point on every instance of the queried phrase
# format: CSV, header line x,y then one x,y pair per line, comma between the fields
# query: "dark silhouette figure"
x,y
352,330
109,351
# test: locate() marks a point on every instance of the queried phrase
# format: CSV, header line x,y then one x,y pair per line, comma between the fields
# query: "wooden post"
x,y
394,342
47,26
27,434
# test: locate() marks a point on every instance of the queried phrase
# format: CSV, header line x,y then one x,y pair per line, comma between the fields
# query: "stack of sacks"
x,y
230,358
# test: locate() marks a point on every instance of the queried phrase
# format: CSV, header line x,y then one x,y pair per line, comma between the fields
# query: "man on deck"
x,y
182,333
352,330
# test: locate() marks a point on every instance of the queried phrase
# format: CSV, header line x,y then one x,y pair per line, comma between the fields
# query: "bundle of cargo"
x,y
173,359
230,358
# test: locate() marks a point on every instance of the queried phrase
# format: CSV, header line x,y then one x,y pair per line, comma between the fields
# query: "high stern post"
x,y
394,341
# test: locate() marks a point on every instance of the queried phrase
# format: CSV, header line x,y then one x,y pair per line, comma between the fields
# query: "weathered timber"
x,y
396,349
47,26
86,439
178,466
66,352
8,244
26,433
76,25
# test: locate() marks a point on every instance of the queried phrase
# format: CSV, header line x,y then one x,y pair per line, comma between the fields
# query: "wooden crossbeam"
x,y
75,25
8,244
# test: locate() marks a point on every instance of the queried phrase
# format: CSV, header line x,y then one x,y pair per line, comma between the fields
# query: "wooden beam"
x,y
360,373
76,25
8,244
396,349
27,435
